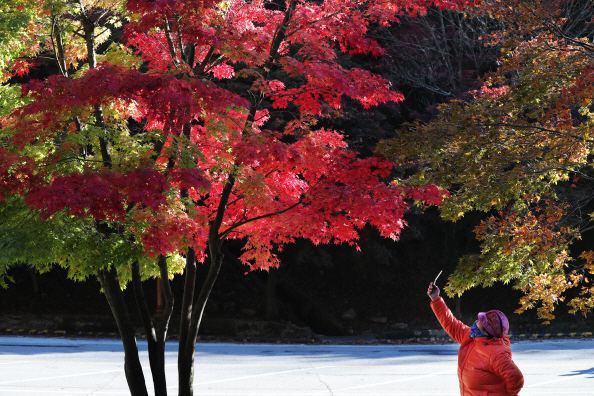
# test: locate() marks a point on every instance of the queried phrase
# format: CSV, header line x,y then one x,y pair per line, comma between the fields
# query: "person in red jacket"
x,y
485,366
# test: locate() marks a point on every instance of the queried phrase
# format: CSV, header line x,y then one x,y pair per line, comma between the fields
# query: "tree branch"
x,y
537,128
170,44
239,224
202,67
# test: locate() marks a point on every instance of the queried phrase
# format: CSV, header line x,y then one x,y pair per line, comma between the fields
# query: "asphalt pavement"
x,y
70,366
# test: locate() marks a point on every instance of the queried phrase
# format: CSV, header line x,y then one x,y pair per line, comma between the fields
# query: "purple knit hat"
x,y
495,323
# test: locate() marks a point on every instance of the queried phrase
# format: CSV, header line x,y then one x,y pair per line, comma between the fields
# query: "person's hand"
x,y
433,291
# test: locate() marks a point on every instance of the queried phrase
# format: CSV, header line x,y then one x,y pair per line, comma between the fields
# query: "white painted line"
x,y
61,376
17,362
64,391
261,375
65,362
386,382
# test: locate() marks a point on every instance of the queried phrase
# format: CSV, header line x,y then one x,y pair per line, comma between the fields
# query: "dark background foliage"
x,y
430,59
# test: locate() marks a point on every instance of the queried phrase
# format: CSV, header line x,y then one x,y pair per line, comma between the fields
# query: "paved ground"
x,y
56,366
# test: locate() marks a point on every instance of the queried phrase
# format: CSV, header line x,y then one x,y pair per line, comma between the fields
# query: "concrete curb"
x,y
364,339
547,335
527,336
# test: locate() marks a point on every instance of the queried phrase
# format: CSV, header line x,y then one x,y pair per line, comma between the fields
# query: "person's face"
x,y
480,326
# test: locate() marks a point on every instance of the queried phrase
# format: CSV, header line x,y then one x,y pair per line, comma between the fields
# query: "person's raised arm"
x,y
456,329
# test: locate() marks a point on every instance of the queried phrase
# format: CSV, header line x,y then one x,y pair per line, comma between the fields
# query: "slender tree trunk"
x,y
271,298
170,44
186,355
34,281
156,346
169,300
61,60
109,278
132,368
185,358
189,331
159,308
89,31
192,315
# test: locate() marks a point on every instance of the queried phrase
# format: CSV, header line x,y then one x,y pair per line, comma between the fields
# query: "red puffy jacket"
x,y
485,367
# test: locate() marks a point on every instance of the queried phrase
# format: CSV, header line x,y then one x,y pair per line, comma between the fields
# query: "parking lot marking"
x,y
15,361
385,382
260,375
60,376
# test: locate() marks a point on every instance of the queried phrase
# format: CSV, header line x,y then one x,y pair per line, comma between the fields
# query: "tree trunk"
x,y
89,31
185,366
271,298
193,314
189,331
61,61
159,287
111,287
156,346
61,58
169,299
458,310
34,281
186,356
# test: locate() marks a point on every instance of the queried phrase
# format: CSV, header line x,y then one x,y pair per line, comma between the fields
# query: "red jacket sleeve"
x,y
504,367
456,329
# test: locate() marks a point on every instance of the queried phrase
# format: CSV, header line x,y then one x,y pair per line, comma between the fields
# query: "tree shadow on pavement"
x,y
589,371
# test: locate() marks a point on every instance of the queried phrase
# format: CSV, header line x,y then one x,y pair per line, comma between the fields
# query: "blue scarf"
x,y
476,332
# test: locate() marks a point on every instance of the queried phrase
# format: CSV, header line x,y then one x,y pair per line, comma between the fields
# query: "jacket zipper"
x,y
470,348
